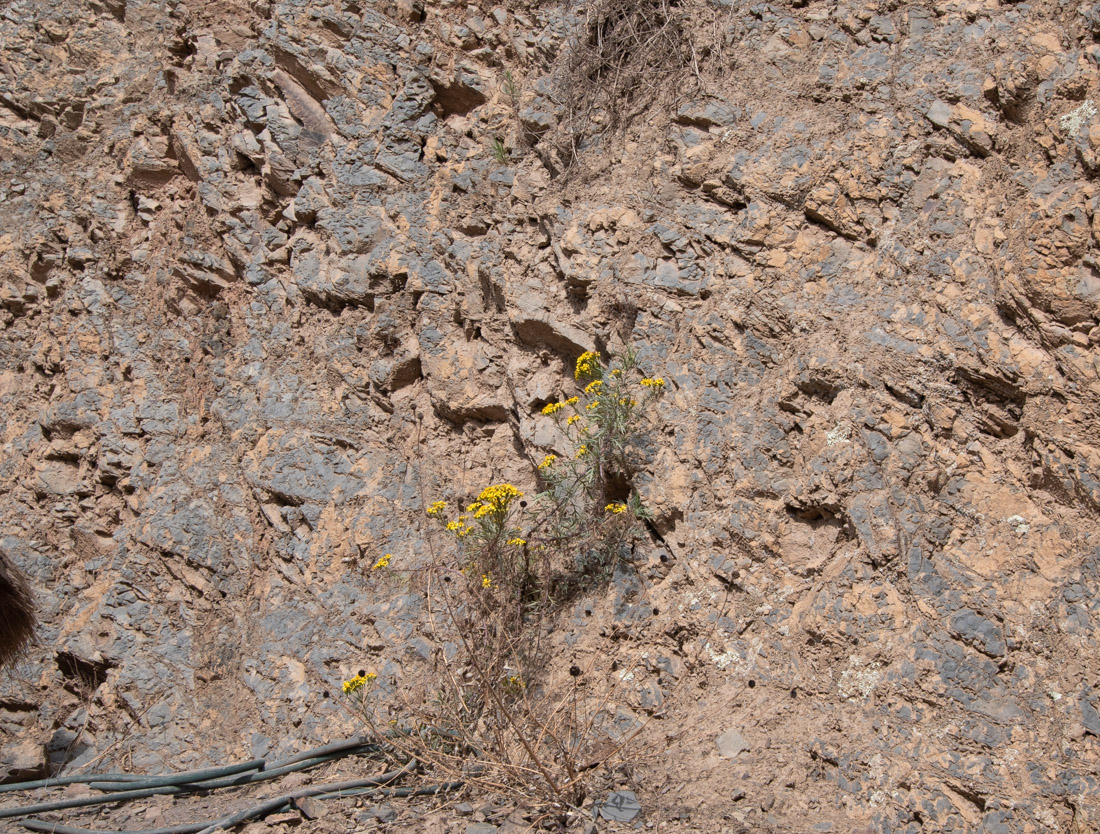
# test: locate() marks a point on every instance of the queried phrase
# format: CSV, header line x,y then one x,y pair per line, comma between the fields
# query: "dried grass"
x,y
624,56
17,616
545,739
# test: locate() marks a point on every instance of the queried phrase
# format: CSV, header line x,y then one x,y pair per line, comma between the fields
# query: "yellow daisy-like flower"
x,y
616,508
552,408
454,526
496,500
437,508
517,542
588,365
383,562
582,450
617,372
358,682
594,386
474,507
592,405
486,581
625,400
574,419
657,382
571,401
548,461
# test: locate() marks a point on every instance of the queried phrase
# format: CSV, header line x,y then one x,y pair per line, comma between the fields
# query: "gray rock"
x,y
710,114
536,122
538,327
1090,717
384,813
620,806
730,744
981,633
939,113
22,760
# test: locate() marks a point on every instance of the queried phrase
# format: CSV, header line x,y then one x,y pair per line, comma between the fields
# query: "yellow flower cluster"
x,y
486,581
495,500
358,682
594,386
588,365
548,461
437,508
593,404
616,509
517,542
574,419
657,382
383,562
582,450
626,401
550,409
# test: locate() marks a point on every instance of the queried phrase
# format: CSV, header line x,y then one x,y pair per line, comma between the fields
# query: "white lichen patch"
x,y
841,434
732,659
858,681
1074,120
1019,523
722,660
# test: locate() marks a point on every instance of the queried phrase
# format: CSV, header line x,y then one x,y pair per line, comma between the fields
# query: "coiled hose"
x,y
121,787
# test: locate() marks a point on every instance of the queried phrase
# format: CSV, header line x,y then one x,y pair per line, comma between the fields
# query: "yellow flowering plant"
x,y
586,490
495,568
519,557
586,509
359,690
588,366
516,558
383,562
360,684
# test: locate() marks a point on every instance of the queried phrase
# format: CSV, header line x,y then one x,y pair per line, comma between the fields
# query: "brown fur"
x,y
17,617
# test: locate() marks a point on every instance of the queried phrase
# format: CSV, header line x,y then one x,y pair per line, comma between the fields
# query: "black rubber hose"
x,y
275,773
196,827
270,805
333,747
146,781
141,787
60,781
142,793
178,778
58,828
190,786
82,801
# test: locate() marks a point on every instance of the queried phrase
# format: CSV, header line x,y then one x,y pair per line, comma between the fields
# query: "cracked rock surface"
x,y
268,286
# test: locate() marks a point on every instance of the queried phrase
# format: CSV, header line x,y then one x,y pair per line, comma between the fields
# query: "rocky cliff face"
x,y
273,276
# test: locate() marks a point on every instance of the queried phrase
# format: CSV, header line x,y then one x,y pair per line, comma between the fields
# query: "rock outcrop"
x,y
275,275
